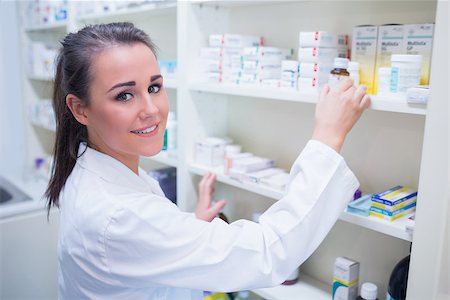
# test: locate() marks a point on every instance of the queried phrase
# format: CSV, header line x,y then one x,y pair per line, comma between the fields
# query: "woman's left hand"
x,y
205,210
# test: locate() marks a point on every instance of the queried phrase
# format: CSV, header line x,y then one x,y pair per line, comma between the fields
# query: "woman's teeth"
x,y
150,129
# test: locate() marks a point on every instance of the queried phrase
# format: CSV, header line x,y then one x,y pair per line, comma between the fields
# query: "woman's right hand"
x,y
337,111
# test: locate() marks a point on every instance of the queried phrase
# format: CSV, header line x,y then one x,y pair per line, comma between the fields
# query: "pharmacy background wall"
x,y
395,143
12,141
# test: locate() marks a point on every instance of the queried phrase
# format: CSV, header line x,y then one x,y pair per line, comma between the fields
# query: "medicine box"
x,y
252,164
390,41
394,196
256,177
309,69
391,216
311,84
364,51
395,207
322,39
419,40
317,55
210,151
345,279
219,52
289,66
360,206
234,40
271,83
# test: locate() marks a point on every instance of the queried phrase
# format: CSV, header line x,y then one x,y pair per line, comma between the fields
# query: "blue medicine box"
x,y
360,206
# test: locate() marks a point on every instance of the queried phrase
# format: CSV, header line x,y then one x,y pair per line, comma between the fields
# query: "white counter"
x,y
33,188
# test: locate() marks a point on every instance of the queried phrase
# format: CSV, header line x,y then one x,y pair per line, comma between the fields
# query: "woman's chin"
x,y
151,152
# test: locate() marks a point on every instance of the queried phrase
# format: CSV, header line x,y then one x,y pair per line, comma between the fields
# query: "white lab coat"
x,y
120,238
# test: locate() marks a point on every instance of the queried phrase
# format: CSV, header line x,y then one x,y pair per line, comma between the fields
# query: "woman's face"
x,y
128,107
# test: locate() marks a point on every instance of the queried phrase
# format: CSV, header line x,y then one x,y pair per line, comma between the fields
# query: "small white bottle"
x,y
369,291
170,137
353,69
339,71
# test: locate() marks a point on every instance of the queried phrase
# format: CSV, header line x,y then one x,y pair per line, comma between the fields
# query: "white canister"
x,y
405,72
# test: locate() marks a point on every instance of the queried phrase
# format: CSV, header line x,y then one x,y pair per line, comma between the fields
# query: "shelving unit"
x,y
395,228
392,103
305,289
384,149
148,9
50,26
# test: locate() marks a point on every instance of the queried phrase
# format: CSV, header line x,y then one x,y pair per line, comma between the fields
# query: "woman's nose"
x,y
148,107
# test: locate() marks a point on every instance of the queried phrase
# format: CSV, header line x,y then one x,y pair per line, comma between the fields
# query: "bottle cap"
x,y
369,291
341,63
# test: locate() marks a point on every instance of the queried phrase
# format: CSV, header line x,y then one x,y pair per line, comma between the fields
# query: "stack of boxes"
x,y
289,74
243,167
393,203
373,47
222,60
262,65
316,54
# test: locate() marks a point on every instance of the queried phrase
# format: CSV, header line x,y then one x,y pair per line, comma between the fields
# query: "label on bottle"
x,y
388,297
334,79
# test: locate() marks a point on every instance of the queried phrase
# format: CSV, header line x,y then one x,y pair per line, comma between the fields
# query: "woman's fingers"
x,y
344,85
365,102
359,94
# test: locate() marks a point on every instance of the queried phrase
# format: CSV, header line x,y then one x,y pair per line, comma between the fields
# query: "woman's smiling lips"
x,y
146,131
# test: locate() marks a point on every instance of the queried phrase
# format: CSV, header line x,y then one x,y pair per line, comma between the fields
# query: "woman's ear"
x,y
78,108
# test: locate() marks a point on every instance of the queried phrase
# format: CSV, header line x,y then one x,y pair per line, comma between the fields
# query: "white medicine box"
x,y
345,279
210,151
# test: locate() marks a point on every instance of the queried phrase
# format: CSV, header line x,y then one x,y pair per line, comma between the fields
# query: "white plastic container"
x,y
171,132
369,291
405,72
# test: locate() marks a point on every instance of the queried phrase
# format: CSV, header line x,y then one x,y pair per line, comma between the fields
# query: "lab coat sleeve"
x,y
150,242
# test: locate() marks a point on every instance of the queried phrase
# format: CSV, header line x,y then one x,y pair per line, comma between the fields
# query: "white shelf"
x,y
148,9
395,228
248,186
255,91
163,158
49,26
392,103
40,77
307,288
235,3
45,126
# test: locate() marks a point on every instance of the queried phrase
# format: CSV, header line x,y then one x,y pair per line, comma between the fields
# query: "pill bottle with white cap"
x,y
369,291
339,71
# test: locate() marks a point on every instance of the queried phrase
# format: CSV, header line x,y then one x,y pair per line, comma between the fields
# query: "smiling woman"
x,y
127,104
94,107
120,237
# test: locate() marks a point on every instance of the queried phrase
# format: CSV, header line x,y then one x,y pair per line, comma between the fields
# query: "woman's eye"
x,y
124,97
154,88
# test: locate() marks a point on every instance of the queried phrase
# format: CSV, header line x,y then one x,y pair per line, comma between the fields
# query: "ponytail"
x,y
73,77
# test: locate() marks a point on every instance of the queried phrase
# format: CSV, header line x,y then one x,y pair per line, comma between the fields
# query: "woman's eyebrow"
x,y
155,77
129,83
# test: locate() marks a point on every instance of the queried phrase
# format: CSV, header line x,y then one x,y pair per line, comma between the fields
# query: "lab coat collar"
x,y
113,171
